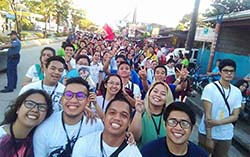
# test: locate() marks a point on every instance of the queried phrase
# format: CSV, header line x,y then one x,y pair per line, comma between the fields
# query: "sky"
x,y
165,12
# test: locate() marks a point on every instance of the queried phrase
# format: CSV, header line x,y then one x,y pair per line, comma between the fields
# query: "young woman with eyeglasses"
x,y
110,87
148,125
16,131
36,71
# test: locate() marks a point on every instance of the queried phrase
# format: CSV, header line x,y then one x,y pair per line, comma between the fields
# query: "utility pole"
x,y
192,29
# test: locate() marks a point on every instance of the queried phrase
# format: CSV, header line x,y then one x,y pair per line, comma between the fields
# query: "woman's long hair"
x,y
105,82
11,115
169,97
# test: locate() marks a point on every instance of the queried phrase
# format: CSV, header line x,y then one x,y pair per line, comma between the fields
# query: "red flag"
x,y
109,31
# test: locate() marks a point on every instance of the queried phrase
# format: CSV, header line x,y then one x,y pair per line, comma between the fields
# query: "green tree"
x,y
42,7
231,5
4,5
62,11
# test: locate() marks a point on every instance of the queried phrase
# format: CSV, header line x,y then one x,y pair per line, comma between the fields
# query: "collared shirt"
x,y
15,48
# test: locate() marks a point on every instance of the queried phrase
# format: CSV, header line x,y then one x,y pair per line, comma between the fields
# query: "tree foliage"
x,y
231,5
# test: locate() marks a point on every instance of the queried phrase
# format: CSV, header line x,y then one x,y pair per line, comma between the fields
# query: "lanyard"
x,y
68,139
14,141
223,91
116,152
157,128
53,92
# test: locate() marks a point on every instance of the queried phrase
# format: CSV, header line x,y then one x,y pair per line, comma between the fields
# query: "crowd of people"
x,y
96,97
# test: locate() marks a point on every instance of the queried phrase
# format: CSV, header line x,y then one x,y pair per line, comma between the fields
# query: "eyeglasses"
x,y
227,71
114,83
30,104
79,95
183,123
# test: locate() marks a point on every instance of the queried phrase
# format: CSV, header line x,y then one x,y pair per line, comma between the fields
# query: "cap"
x,y
13,33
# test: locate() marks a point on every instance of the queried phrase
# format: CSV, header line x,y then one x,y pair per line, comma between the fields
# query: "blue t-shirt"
x,y
216,70
15,48
157,148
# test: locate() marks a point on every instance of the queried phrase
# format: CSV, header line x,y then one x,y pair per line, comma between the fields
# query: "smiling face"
x,y
45,55
117,118
113,85
124,71
31,117
157,96
73,108
54,72
160,74
177,135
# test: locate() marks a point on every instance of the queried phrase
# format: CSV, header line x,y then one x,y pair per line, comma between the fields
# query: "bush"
x,y
24,35
61,34
39,34
4,39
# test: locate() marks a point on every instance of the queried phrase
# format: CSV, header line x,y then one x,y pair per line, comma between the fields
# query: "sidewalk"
x,y
241,131
26,44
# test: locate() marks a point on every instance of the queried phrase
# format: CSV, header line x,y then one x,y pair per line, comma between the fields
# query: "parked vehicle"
x,y
193,54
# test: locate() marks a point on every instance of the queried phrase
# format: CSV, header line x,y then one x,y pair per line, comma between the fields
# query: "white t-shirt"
x,y
170,71
50,138
136,90
219,110
89,146
2,132
56,92
32,73
99,100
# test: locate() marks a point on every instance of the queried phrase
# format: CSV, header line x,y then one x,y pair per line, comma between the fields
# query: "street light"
x,y
221,9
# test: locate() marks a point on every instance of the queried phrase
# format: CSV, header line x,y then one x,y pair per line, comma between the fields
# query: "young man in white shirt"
x,y
216,129
57,135
53,72
111,142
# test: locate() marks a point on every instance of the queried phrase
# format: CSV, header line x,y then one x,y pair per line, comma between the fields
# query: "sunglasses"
x,y
183,123
30,104
79,95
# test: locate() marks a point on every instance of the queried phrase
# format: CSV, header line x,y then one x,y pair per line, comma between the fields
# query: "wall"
x,y
234,40
242,62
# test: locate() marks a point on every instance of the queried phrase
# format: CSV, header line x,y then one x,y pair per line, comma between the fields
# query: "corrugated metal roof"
x,y
235,16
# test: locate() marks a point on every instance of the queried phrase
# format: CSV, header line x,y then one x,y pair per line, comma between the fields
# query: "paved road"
x,y
29,56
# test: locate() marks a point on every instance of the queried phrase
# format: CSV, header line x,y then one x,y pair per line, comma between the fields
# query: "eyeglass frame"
x,y
180,122
226,71
39,105
113,83
74,95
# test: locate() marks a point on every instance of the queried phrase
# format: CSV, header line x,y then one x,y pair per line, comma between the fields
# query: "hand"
x,y
91,116
139,104
210,123
209,144
130,138
142,73
92,97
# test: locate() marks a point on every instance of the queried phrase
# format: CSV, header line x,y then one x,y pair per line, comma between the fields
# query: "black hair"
x,y
83,56
78,80
119,98
11,115
227,62
105,82
161,66
170,61
124,62
178,66
241,82
120,56
47,48
179,106
55,58
69,45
